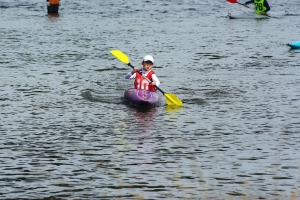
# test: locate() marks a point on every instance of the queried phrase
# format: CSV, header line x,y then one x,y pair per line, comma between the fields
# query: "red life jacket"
x,y
141,83
54,1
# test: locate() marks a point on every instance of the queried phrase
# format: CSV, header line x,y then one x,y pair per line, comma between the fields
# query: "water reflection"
x,y
53,15
294,50
143,117
172,109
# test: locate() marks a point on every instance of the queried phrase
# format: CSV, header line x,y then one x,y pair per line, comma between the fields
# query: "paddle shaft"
x,y
129,64
241,4
234,1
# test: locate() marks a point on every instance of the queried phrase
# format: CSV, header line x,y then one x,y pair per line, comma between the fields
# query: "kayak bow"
x,y
142,98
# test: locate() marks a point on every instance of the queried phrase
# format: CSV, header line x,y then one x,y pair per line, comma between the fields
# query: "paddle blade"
x,y
120,55
232,1
172,100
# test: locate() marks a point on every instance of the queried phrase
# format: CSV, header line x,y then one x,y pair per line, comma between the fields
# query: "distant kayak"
x,y
142,98
294,45
252,15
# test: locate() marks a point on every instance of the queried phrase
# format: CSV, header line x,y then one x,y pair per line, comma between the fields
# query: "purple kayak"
x,y
142,98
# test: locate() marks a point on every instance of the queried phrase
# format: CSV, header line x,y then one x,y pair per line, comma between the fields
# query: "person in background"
x,y
52,6
140,81
261,7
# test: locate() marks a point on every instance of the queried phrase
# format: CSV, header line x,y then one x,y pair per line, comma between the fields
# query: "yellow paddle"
x,y
170,98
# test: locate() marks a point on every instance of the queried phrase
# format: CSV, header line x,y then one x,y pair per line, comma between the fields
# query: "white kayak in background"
x,y
252,15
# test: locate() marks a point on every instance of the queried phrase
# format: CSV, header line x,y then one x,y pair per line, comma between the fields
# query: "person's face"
x,y
147,65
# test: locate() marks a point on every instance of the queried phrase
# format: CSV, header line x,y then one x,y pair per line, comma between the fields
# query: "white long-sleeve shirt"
x,y
144,73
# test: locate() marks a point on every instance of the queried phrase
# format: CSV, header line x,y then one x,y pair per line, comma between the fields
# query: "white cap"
x,y
148,58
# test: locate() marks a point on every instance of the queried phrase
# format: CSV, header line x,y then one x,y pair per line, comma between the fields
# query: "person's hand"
x,y
153,83
135,69
245,5
263,13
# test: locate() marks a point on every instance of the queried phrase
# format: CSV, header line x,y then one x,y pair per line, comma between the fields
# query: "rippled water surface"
x,y
66,132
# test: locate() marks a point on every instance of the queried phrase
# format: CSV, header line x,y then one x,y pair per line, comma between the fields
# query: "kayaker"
x,y
140,81
261,7
52,6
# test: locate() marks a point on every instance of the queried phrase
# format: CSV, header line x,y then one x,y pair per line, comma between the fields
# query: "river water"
x,y
66,132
